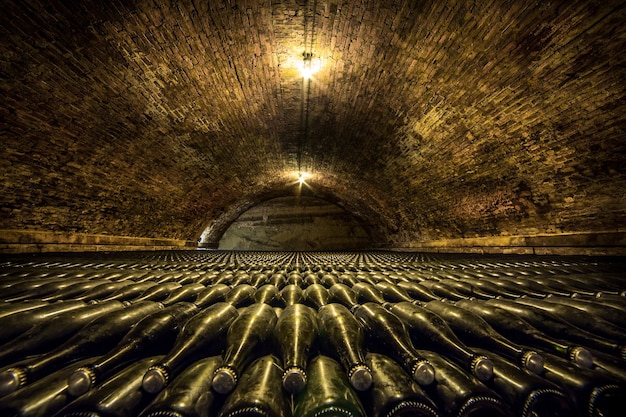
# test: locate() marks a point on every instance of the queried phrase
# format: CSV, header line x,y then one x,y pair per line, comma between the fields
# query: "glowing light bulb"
x,y
301,179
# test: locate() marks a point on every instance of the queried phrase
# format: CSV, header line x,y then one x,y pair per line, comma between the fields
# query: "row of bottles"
x,y
316,339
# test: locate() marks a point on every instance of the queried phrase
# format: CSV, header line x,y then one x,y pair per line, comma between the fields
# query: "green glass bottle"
x,y
327,393
316,295
212,294
259,392
341,293
291,294
187,292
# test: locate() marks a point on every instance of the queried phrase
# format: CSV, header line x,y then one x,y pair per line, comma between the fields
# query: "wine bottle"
x,y
249,331
42,291
103,290
188,292
268,294
189,395
458,394
518,330
431,332
393,293
94,339
341,334
316,295
8,309
215,293
241,296
18,323
129,292
443,291
291,294
418,292
195,340
368,293
39,338
71,291
328,392
158,293
42,398
387,333
475,331
340,293
394,393
153,335
259,392
295,332
120,395
278,280
554,326
609,314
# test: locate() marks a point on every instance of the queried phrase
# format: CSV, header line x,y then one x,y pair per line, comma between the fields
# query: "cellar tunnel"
x,y
291,208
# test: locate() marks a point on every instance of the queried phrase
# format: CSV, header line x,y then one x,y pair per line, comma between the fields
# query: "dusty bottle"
x,y
458,394
341,334
594,393
188,292
393,293
295,332
247,333
215,293
42,398
291,294
158,293
153,335
609,314
194,341
120,395
268,294
316,295
554,326
259,393
103,290
429,331
340,293
39,338
8,309
475,331
96,338
516,329
387,333
328,392
42,291
442,290
368,293
189,395
418,292
18,323
71,291
394,393
129,292
528,393
241,296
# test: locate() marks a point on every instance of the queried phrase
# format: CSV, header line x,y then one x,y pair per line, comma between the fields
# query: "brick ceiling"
x,y
426,119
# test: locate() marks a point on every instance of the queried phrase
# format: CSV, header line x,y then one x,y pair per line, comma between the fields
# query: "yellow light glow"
x,y
309,67
301,179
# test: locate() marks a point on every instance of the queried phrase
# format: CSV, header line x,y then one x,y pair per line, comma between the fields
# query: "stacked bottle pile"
x,y
191,334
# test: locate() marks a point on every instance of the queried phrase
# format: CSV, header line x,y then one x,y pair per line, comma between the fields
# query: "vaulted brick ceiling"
x,y
427,119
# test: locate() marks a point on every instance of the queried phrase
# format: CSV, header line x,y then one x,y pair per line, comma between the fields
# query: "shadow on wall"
x,y
296,224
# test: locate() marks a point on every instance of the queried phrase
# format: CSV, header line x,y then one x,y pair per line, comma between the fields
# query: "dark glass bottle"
x,y
295,332
8,309
119,396
418,292
328,392
39,338
268,294
393,293
152,335
259,392
429,331
129,292
516,329
594,393
458,394
610,314
71,291
475,331
42,398
442,290
42,291
556,327
340,293
394,393
386,333
368,293
342,336
529,394
199,335
188,292
189,395
489,288
245,341
103,290
18,323
241,296
96,338
291,294
316,295
215,293
158,292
